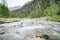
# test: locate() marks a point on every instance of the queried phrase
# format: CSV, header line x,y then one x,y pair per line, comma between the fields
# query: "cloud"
x,y
12,3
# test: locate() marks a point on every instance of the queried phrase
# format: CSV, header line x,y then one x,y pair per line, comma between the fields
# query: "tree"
x,y
4,11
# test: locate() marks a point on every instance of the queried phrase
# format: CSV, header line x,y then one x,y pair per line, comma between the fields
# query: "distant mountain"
x,y
14,8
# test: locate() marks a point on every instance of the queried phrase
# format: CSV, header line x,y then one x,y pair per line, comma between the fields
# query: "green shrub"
x,y
52,10
54,18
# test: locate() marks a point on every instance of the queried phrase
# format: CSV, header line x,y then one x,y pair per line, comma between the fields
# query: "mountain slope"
x,y
31,6
14,8
36,8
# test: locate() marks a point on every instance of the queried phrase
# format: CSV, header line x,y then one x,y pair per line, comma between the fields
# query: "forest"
x,y
34,9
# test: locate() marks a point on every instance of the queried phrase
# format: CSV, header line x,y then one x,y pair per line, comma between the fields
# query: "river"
x,y
25,29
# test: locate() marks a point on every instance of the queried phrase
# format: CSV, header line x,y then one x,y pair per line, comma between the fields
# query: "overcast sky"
x,y
12,3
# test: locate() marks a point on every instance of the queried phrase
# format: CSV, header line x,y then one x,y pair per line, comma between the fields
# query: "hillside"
x,y
39,8
31,6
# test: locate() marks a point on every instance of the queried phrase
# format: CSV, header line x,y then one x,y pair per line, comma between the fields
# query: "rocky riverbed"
x,y
25,29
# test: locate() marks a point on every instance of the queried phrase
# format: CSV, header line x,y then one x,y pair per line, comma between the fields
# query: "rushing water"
x,y
26,29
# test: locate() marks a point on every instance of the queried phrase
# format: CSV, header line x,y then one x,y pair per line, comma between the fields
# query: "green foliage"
x,y
54,18
52,10
4,11
52,13
36,13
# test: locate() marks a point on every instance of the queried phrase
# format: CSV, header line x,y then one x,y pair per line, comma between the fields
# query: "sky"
x,y
12,3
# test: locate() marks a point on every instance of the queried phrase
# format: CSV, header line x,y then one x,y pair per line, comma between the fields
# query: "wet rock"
x,y
2,33
1,22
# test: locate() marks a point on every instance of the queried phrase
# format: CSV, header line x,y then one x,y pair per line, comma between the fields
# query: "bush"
x,y
54,18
